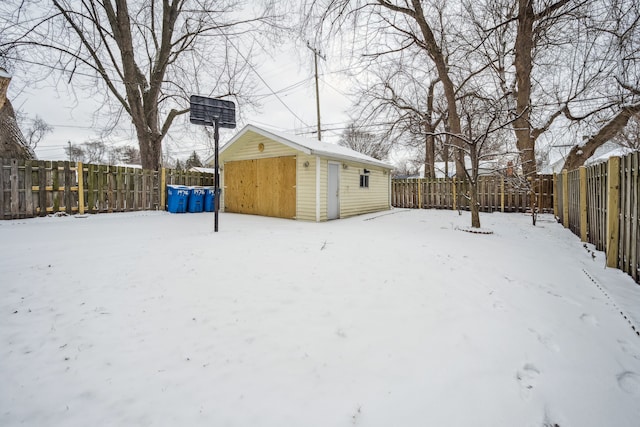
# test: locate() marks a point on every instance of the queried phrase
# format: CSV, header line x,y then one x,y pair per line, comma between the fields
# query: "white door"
x,y
333,201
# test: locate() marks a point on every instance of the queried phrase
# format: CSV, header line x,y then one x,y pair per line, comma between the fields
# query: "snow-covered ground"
x,y
391,319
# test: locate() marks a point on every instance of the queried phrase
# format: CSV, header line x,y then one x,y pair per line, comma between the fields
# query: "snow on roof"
x,y
129,165
307,145
4,73
618,151
203,170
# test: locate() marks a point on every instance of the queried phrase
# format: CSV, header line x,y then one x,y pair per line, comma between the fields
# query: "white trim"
x,y
317,188
389,189
338,177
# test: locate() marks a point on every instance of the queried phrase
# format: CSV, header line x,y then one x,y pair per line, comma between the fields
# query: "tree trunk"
x,y
475,211
523,64
430,156
150,150
581,153
438,57
12,142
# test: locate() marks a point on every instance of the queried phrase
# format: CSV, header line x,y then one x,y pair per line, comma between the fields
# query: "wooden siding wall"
x,y
31,188
495,194
600,204
355,200
261,186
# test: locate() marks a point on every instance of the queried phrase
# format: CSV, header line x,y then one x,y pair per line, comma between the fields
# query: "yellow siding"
x,y
247,148
355,200
306,188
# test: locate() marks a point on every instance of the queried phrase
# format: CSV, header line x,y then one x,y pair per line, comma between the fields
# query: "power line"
x,y
262,80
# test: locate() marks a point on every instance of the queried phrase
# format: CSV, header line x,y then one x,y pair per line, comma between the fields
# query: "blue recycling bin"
x,y
196,199
177,198
209,200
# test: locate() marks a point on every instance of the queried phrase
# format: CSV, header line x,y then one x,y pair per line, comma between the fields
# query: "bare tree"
x,y
486,123
401,93
629,137
147,55
193,161
613,53
75,153
94,151
526,44
37,131
34,130
393,26
12,141
131,155
365,142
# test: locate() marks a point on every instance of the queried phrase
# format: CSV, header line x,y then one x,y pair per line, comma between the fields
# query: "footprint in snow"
x,y
629,349
629,381
545,340
527,377
588,318
498,305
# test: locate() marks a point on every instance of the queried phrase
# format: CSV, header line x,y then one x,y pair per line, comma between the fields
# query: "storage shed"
x,y
269,173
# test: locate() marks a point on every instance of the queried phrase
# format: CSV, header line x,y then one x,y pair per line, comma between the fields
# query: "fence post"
x,y
502,195
583,204
163,190
613,210
15,199
565,198
555,196
79,171
419,193
454,194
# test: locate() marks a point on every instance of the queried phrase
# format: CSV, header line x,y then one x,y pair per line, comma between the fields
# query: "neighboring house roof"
x,y
127,165
307,146
486,167
201,169
602,154
603,157
553,167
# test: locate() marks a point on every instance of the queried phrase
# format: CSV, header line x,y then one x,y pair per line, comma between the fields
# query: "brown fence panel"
x,y
597,205
574,201
30,188
629,243
446,193
560,196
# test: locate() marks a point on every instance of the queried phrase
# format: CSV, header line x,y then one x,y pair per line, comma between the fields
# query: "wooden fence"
x,y
37,188
600,204
495,194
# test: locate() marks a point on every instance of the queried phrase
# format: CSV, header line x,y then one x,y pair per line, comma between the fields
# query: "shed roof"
x,y
307,145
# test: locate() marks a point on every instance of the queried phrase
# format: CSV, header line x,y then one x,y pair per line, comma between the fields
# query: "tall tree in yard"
x,y
386,27
12,141
193,161
614,51
148,56
365,142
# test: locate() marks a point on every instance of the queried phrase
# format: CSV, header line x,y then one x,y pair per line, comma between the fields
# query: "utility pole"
x,y
316,53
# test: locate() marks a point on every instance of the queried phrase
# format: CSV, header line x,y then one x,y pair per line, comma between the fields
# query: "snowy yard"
x,y
391,319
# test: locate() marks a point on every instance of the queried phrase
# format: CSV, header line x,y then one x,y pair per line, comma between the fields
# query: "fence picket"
x,y
494,194
36,188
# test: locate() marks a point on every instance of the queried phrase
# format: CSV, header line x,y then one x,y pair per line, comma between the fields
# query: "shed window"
x,y
364,181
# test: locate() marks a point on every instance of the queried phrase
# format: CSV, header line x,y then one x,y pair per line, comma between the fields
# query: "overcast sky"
x,y
288,73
